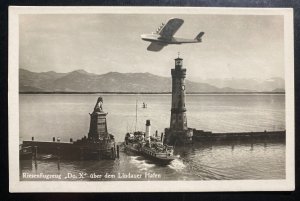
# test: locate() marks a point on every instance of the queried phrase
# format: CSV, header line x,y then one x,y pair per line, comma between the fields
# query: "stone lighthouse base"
x,y
173,137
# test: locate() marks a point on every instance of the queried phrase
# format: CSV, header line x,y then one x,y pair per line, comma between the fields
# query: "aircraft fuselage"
x,y
157,38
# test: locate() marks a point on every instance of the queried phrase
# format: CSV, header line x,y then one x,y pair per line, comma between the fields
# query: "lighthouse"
x,y
178,131
178,119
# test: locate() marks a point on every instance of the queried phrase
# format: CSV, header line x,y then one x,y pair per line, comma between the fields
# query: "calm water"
x,y
66,116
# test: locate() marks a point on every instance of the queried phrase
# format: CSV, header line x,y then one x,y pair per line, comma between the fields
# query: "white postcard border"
x,y
15,185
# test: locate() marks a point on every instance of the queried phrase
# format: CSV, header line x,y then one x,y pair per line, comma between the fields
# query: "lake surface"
x,y
67,116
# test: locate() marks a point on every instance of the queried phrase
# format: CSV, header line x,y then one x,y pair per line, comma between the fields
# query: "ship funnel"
x,y
148,129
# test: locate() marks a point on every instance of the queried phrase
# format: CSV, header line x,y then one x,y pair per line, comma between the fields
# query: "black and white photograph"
x,y
148,99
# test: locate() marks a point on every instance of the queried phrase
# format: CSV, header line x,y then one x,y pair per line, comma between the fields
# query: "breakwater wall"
x,y
200,135
73,150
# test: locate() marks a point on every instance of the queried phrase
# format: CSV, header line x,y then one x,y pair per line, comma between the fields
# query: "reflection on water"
x,y
199,162
236,161
66,116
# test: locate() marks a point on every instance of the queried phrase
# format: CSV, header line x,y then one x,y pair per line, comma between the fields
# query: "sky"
x,y
234,46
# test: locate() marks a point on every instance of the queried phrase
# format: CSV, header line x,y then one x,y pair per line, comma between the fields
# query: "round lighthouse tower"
x,y
178,131
178,111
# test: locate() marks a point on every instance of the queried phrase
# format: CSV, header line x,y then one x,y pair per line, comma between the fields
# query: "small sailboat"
x,y
144,105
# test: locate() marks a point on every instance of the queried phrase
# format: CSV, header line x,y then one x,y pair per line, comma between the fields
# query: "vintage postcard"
x,y
151,99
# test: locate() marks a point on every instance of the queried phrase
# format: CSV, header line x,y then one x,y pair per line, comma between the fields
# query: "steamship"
x,y
151,147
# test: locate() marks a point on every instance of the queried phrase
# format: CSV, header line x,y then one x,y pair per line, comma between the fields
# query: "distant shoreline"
x,y
60,92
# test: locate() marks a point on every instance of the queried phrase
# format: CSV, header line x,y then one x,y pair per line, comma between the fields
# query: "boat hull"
x,y
162,161
149,155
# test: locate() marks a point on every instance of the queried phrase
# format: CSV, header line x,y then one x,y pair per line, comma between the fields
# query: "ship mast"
x,y
136,101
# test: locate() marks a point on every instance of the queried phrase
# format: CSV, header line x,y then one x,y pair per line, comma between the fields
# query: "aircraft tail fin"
x,y
199,36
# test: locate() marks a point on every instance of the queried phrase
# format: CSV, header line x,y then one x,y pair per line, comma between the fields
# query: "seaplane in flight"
x,y
164,36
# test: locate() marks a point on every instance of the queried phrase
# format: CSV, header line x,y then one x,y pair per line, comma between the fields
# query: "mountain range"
x,y
275,84
82,81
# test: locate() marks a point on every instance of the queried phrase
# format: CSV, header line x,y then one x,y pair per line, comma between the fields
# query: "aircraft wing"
x,y
168,30
155,47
